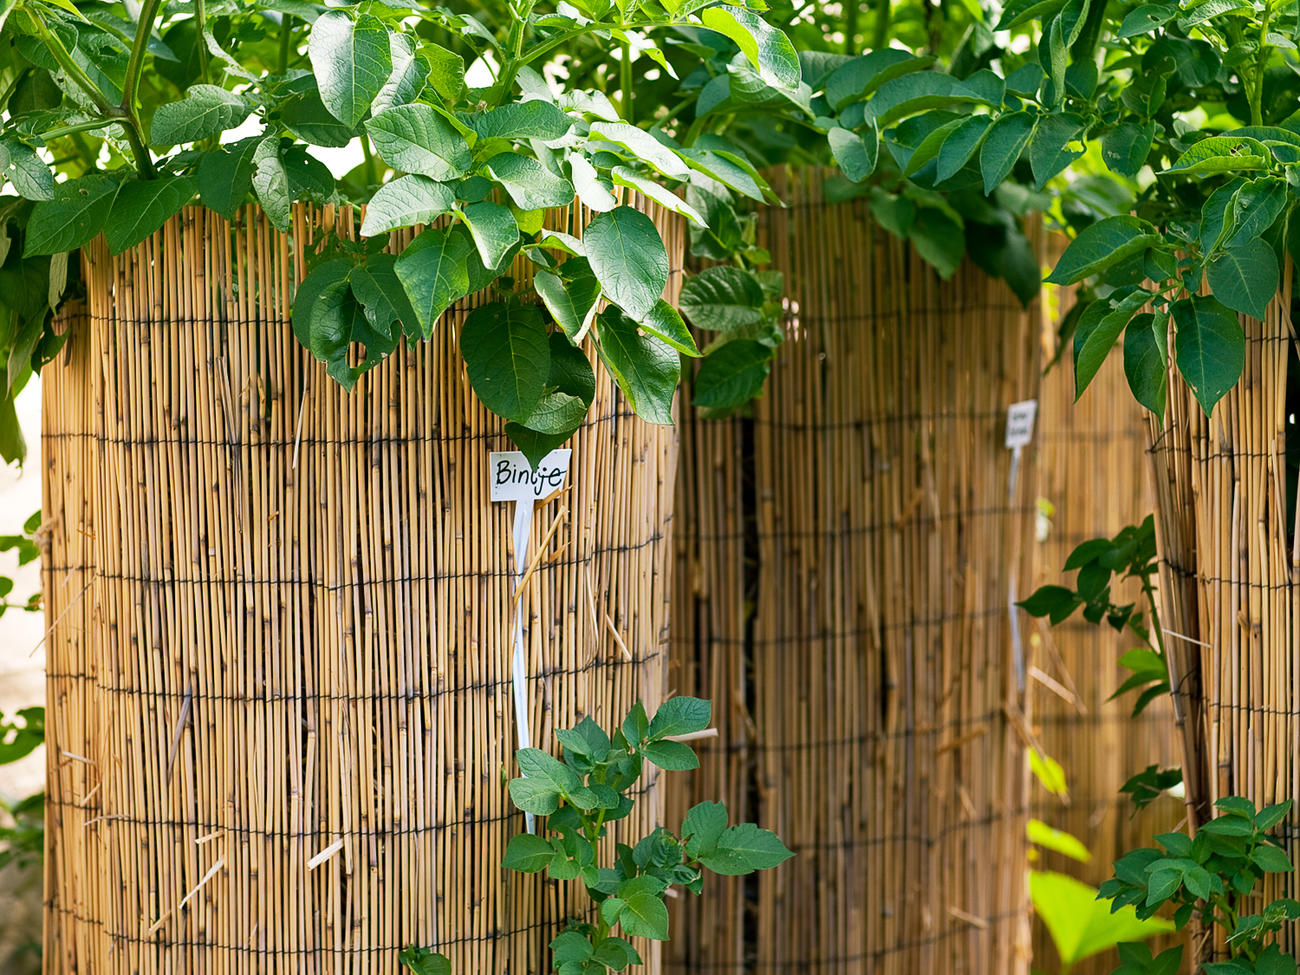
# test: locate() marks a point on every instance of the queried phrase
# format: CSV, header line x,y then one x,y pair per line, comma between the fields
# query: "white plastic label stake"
x,y
514,479
1020,430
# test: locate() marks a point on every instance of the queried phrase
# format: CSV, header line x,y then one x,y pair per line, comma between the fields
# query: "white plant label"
x,y
512,478
1020,423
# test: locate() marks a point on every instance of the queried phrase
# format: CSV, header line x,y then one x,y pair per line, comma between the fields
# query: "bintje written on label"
x,y
514,479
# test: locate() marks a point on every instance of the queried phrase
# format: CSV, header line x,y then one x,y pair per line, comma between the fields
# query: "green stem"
x,y
884,15
625,83
201,23
66,130
286,40
135,66
851,27
70,67
372,177
1256,96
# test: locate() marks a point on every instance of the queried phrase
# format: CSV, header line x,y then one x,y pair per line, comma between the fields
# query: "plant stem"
x,y
134,68
625,83
70,67
1256,96
201,26
286,43
851,26
884,14
65,130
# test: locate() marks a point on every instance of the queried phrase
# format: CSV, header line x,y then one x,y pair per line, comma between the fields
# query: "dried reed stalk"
x,y
844,562
1229,572
292,660
1093,471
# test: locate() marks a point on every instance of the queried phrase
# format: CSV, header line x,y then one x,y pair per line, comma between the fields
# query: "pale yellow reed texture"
x,y
1093,470
1230,561
280,721
845,558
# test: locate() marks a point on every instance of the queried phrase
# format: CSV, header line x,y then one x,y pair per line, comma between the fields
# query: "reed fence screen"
x,y
280,722
845,558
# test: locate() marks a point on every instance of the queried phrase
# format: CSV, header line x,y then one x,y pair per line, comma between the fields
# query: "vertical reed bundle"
x,y
1093,470
1230,561
279,684
846,555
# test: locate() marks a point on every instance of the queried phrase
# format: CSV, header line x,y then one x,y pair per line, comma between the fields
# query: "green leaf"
x,y
508,357
855,157
494,231
722,298
1019,12
1125,148
666,198
377,286
858,78
328,325
143,206
1270,816
939,239
527,853
1210,348
530,184
960,144
1102,245
645,369
405,202
768,49
628,258
416,139
1081,924
535,796
533,119
31,176
1059,841
570,389
1146,19
1146,360
703,827
351,60
680,716
570,946
589,187
421,961
409,76
732,374
644,914
1222,154
641,146
743,849
1244,277
1001,148
915,93
615,953
433,271
672,756
1271,859
1094,336
226,176
665,323
205,111
72,219
271,182
1050,151
570,296
1256,207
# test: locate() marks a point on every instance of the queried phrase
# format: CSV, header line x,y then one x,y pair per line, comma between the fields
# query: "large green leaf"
x,y
77,213
732,374
1101,245
570,295
534,119
628,258
680,716
271,182
666,323
494,230
406,202
351,60
530,184
1222,154
1146,360
433,270
205,111
416,139
226,176
722,298
142,206
1244,277
666,198
643,914
1002,146
645,369
1125,148
507,357
1210,348
915,93
1094,336
1054,146
421,961
640,146
409,76
1082,925
855,156
862,75
768,49
528,853
960,143
743,849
